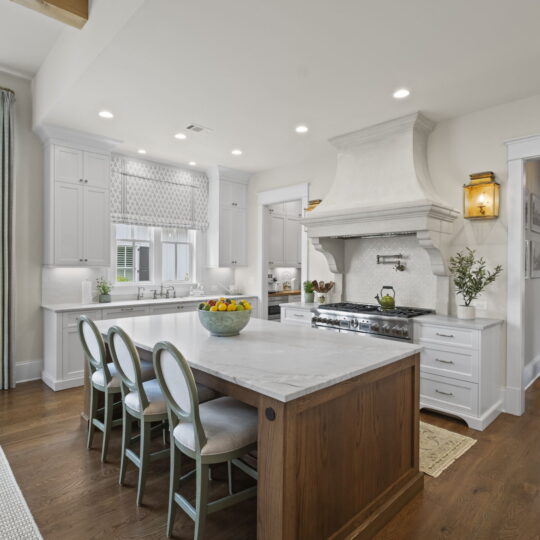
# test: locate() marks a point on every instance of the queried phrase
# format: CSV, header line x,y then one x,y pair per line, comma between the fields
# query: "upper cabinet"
x,y
77,213
227,239
284,233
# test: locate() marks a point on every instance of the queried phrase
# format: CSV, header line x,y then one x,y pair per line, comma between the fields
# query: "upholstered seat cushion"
x,y
156,400
98,377
228,424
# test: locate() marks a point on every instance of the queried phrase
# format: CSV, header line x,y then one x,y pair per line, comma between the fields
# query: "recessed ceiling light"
x,y
401,93
301,129
236,152
106,114
180,136
193,163
141,151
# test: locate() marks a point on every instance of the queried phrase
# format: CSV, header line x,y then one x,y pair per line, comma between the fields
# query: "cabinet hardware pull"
x,y
443,393
127,309
81,180
86,181
298,315
445,335
444,361
85,260
80,260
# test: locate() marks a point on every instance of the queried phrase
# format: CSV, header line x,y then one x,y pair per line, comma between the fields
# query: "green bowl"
x,y
224,323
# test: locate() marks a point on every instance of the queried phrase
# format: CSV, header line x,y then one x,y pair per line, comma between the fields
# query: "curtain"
x,y
157,195
7,371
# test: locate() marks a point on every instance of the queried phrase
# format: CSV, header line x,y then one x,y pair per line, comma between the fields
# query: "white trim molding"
x,y
517,373
28,371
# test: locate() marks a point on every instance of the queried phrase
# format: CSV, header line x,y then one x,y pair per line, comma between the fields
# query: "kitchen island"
x,y
338,418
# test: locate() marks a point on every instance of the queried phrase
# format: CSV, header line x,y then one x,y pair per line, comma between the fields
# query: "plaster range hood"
x,y
383,188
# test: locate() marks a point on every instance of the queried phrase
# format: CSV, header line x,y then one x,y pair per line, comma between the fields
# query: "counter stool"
x,y
141,400
218,431
102,378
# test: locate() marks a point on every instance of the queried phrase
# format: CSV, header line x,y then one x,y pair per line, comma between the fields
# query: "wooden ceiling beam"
x,y
72,12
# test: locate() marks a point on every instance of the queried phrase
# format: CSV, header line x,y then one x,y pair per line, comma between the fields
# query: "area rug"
x,y
16,521
439,448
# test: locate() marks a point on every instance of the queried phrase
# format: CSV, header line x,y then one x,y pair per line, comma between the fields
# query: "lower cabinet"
x,y
297,314
461,368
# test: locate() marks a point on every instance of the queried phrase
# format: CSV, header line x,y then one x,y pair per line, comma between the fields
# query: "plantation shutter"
x,y
155,195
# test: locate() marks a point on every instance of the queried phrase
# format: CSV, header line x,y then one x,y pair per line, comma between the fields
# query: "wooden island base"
x,y
340,462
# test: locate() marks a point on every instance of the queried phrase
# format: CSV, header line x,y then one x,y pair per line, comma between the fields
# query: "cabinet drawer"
x,y
130,311
174,308
447,335
455,364
69,320
448,394
298,316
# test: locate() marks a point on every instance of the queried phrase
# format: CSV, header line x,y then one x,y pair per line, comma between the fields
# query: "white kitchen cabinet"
x,y
226,237
297,313
174,308
460,367
77,208
284,245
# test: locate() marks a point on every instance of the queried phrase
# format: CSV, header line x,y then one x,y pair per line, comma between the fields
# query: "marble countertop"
x,y
281,361
129,303
447,320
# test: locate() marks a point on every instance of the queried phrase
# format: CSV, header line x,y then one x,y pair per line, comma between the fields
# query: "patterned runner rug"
x,y
439,448
16,521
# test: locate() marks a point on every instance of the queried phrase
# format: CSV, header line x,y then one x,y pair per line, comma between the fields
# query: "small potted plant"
x,y
104,289
470,278
309,292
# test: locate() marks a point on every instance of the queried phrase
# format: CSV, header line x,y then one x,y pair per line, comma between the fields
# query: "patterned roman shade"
x,y
156,195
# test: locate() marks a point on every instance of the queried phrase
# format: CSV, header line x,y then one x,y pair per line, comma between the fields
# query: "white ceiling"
x,y
26,37
253,69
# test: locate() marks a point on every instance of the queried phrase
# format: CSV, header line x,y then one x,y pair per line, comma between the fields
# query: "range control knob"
x,y
375,327
354,323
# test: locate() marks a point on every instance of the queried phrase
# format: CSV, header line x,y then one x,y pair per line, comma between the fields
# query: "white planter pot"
x,y
466,312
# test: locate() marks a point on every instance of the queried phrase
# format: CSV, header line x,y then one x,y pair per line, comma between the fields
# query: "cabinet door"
x,y
276,231
122,312
97,226
238,237
293,209
233,194
225,233
68,224
68,165
277,209
96,170
291,242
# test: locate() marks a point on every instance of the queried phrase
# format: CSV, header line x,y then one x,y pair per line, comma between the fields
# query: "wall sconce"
x,y
481,196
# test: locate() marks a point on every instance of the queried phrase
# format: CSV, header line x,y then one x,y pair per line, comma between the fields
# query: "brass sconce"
x,y
481,196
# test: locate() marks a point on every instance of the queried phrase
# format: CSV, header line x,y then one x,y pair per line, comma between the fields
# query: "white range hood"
x,y
383,187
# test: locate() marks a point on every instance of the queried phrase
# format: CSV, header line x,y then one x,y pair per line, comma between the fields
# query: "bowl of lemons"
x,y
224,317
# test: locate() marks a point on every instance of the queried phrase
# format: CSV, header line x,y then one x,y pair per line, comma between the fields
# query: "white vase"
x,y
466,312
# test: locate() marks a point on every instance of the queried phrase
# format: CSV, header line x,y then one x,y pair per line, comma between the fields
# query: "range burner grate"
x,y
351,307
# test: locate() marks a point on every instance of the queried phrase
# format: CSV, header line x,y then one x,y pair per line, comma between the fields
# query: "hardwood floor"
x,y
492,492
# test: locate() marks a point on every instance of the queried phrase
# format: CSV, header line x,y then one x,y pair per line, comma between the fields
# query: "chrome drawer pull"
x,y
444,361
445,335
443,393
127,309
298,315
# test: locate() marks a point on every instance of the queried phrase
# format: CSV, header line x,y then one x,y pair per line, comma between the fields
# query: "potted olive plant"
x,y
309,292
470,278
104,289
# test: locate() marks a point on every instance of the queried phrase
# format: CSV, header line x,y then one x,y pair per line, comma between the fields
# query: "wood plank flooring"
x,y
492,492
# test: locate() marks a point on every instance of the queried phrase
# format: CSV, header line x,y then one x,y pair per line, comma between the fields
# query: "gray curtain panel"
x,y
7,363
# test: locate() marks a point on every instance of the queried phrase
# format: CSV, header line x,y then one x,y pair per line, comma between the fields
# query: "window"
x,y
176,255
133,253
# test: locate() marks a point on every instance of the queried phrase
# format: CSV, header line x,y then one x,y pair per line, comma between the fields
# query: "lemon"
x,y
233,302
231,307
239,307
247,306
213,308
222,307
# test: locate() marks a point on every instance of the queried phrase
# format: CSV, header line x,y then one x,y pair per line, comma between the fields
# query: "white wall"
x,y
28,232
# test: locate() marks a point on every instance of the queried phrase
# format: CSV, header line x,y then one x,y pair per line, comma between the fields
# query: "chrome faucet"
x,y
161,294
140,293
167,295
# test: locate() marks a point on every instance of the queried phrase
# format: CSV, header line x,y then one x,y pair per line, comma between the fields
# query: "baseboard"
x,y
531,372
61,384
514,402
28,371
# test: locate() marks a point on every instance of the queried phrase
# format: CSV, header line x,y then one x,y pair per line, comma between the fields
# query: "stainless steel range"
x,y
367,319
